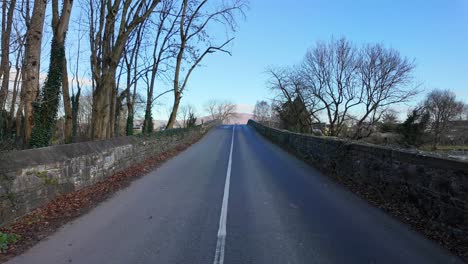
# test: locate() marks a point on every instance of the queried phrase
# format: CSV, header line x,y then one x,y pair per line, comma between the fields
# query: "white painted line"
x,y
219,255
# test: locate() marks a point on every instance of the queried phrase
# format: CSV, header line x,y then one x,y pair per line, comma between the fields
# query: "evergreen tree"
x,y
414,127
294,116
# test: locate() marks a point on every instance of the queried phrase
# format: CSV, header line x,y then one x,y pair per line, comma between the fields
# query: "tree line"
x,y
132,46
344,90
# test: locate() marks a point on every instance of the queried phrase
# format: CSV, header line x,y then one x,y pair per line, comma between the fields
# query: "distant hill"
x,y
239,118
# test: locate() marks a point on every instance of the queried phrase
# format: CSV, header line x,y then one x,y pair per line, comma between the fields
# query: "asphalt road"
x,y
235,200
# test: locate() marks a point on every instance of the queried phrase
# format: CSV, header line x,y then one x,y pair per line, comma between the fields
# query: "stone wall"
x,y
437,187
30,178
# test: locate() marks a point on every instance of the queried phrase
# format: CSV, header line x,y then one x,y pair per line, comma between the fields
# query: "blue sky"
x,y
278,33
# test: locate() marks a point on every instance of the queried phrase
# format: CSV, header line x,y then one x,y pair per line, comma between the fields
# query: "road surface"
x,y
235,198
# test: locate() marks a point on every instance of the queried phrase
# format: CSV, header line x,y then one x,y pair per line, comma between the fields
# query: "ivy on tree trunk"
x,y
46,105
75,105
148,126
129,127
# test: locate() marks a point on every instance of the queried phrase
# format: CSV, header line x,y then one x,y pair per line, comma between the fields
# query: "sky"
x,y
278,33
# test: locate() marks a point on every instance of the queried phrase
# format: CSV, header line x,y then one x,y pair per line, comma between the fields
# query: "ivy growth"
x,y
148,126
6,240
46,105
129,127
75,104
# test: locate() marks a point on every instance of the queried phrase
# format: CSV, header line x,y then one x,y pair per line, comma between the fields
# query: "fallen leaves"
x,y
45,220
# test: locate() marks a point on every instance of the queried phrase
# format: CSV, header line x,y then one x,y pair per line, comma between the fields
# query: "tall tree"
x,y
76,95
16,82
194,19
60,27
21,29
330,73
46,105
385,77
443,107
31,63
163,50
131,61
111,23
8,8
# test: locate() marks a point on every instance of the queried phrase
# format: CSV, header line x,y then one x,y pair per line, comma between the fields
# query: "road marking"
x,y
219,255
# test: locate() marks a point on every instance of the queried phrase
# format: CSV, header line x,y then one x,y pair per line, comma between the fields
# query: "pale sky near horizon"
x,y
278,33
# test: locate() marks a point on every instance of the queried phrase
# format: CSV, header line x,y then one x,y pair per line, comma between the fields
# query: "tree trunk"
x,y
60,25
175,108
32,57
118,110
13,100
107,45
15,85
101,105
130,111
110,130
75,106
46,107
5,59
19,122
130,116
66,104
177,95
148,126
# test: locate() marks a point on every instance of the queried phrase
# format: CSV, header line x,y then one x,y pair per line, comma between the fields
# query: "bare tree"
x,y
194,19
174,42
344,85
20,38
187,113
211,107
443,107
226,111
47,104
8,8
385,77
262,112
31,63
111,23
221,110
76,86
163,50
84,116
60,22
21,29
133,74
329,70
